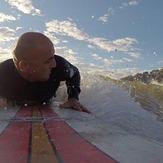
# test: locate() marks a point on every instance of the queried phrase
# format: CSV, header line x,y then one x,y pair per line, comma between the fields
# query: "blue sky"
x,y
109,37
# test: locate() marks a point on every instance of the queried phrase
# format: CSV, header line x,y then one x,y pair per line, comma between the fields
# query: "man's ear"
x,y
23,66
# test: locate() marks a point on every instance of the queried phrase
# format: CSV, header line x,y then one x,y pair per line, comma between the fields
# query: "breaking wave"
x,y
113,103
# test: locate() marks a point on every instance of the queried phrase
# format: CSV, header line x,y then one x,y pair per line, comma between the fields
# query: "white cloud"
x,y
122,44
96,56
4,17
106,61
110,72
133,3
90,46
112,61
6,34
72,58
67,53
134,54
127,59
24,6
5,54
67,28
125,41
130,3
105,17
60,50
103,43
17,28
54,39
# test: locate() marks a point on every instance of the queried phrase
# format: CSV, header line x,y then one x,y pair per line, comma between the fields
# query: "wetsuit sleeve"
x,y
73,82
67,72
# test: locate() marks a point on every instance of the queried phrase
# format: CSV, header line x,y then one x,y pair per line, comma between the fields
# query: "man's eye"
x,y
49,60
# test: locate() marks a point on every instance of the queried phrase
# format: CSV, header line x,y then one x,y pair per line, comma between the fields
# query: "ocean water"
x,y
113,104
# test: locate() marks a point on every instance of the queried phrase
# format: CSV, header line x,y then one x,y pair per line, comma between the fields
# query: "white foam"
x,y
112,104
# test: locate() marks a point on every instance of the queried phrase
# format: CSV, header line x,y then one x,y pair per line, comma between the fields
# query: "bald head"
x,y
34,56
29,43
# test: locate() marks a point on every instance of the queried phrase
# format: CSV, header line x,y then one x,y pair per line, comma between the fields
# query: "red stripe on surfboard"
x,y
24,112
14,140
70,145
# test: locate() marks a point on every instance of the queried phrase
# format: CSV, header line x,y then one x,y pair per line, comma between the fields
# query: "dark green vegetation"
x,y
147,77
149,96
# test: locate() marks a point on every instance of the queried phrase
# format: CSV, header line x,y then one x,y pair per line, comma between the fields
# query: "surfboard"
x,y
37,134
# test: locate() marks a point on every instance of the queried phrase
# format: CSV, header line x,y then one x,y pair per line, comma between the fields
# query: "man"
x,y
34,74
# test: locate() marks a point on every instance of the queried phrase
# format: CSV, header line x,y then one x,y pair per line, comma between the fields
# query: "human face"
x,y
41,64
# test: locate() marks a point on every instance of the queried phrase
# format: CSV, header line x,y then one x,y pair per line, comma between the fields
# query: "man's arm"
x,y
73,83
73,89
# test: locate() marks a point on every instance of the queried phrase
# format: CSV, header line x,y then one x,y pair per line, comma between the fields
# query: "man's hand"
x,y
73,103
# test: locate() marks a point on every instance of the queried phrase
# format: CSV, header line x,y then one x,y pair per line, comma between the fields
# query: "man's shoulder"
x,y
6,73
62,68
60,60
7,64
62,63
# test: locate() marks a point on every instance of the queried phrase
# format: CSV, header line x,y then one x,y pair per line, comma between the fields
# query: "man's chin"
x,y
45,79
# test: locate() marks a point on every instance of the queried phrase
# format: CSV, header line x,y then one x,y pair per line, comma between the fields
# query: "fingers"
x,y
62,106
77,106
74,104
86,110
82,108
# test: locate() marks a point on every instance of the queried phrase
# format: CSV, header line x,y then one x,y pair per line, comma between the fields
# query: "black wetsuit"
x,y
18,90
